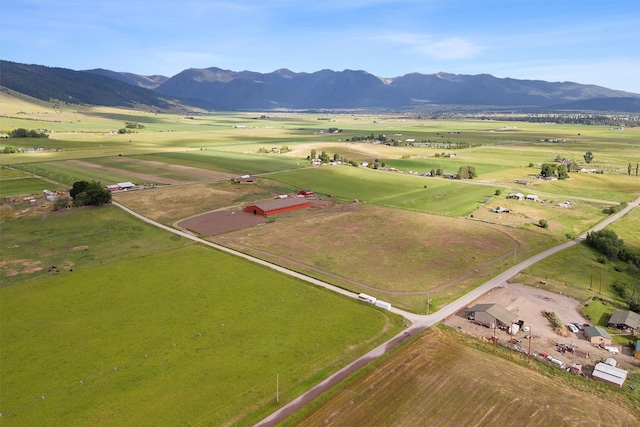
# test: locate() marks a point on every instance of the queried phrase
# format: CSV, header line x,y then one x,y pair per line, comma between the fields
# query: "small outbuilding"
x,y
305,193
491,315
609,374
625,319
516,196
245,179
597,335
532,197
636,353
277,206
126,185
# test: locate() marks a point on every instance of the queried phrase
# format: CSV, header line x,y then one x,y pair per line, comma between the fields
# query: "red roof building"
x,y
277,206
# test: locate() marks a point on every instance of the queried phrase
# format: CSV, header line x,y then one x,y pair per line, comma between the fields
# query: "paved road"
x,y
418,322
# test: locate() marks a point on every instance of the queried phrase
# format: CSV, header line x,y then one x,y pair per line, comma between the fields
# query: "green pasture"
x,y
68,173
26,186
628,229
10,173
76,240
426,194
229,162
105,345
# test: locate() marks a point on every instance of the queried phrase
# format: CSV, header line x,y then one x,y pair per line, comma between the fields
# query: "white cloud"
x,y
438,48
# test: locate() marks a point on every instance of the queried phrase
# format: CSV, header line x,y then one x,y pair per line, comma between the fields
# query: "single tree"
x,y
637,164
313,154
562,172
548,169
629,168
588,157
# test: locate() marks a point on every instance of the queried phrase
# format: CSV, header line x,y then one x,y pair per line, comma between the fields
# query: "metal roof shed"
x,y
492,313
609,374
277,206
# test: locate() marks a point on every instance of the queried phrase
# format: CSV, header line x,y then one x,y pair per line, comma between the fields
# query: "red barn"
x,y
306,192
277,206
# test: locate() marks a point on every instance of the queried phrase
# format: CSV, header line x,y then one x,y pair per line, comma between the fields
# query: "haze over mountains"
x,y
215,88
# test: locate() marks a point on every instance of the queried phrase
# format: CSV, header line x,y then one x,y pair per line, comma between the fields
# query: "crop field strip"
x,y
465,385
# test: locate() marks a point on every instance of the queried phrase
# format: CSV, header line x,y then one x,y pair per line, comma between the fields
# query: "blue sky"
x,y
584,41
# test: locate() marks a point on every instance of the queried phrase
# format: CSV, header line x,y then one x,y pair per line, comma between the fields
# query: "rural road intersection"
x,y
418,322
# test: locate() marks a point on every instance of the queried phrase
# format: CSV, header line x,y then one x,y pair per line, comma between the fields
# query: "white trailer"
x,y
383,304
367,298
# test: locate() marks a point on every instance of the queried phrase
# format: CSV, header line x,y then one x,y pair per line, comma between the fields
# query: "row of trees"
x,y
31,133
608,244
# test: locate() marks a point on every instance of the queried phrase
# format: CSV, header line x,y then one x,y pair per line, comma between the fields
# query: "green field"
x,y
26,186
79,240
105,344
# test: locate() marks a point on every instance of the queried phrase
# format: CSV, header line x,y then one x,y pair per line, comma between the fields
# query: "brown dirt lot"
x,y
528,303
218,222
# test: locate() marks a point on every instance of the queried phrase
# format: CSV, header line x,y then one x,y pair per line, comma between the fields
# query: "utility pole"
x,y
428,302
530,333
277,388
600,289
590,279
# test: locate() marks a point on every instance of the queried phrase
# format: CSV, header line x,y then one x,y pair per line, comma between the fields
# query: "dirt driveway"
x,y
529,303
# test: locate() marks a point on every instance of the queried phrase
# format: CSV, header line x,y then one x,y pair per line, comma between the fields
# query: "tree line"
x,y
607,243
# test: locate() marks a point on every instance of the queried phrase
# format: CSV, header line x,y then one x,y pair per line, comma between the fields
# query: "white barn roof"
x,y
610,374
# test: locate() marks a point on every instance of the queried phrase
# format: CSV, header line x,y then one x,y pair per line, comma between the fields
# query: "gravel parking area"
x,y
529,303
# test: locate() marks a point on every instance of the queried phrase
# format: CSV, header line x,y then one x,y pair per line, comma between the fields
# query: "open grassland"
x,y
69,172
76,240
184,336
398,256
26,186
445,378
579,272
230,162
446,197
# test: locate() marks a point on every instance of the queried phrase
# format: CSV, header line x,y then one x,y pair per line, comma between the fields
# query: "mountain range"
x,y
218,89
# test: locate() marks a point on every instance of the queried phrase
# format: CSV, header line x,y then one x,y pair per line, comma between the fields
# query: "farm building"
x,y
597,335
636,353
609,374
532,197
516,196
522,181
625,319
278,206
491,315
245,179
120,186
500,209
305,193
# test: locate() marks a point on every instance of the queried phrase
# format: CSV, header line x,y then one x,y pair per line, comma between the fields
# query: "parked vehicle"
x,y
573,328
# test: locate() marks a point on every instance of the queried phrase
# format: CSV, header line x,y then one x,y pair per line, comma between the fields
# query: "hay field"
x,y
445,378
